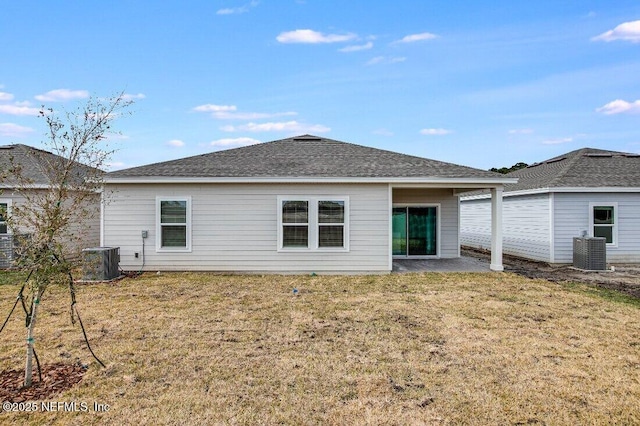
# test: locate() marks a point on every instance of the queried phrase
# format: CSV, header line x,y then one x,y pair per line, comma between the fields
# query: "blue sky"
x,y
482,84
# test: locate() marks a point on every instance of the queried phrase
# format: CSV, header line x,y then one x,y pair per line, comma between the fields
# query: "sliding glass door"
x,y
415,231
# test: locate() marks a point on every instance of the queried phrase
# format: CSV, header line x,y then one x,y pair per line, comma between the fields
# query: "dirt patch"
x,y
625,278
55,379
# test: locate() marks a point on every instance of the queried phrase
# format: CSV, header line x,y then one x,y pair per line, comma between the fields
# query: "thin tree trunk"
x,y
28,372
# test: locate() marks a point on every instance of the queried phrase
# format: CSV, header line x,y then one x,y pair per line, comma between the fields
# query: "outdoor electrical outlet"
x,y
135,254
145,234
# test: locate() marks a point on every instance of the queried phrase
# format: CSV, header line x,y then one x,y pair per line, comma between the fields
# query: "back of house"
x,y
297,205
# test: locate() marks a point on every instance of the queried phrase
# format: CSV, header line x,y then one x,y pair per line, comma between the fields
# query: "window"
x,y
4,208
295,224
604,219
173,224
330,223
313,223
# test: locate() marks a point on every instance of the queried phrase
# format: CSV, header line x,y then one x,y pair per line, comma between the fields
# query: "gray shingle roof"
x,y
304,157
35,164
583,168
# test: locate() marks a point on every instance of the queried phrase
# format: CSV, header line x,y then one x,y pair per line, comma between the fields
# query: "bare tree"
x,y
51,218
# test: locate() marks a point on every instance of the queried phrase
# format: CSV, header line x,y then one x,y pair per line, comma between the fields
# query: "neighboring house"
x,y
298,205
587,192
35,165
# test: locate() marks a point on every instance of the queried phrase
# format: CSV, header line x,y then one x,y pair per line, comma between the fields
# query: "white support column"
x,y
496,229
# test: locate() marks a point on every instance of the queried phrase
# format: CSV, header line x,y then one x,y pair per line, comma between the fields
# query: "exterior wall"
x,y
449,214
82,232
571,218
526,225
235,228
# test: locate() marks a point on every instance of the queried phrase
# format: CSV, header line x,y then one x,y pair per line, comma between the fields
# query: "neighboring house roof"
x,y
36,165
302,157
582,168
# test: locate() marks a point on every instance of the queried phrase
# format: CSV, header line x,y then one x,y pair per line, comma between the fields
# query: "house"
x,y
38,168
587,192
298,205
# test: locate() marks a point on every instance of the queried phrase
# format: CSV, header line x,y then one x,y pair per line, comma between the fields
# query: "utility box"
x,y
590,253
100,263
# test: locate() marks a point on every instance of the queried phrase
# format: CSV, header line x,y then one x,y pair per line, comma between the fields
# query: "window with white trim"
x,y
313,223
330,223
603,218
4,212
295,223
173,224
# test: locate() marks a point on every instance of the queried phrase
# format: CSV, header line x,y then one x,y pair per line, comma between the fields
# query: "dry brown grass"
x,y
399,349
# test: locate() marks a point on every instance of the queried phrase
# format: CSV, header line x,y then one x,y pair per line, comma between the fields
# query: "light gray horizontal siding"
x,y
571,218
83,230
449,244
525,225
235,228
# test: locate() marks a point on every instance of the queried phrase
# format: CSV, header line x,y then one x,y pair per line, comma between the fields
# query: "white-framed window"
x,y
173,223
295,223
331,219
319,223
603,221
5,208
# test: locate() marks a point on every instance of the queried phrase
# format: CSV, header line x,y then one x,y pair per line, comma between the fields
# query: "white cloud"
x,y
286,126
19,109
435,132
5,96
412,38
234,142
214,108
14,130
229,112
382,132
313,37
620,106
386,60
129,96
557,141
61,95
520,131
176,143
357,48
628,31
225,115
237,10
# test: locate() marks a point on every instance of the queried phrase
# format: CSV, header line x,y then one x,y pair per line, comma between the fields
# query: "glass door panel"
x,y
415,231
399,230
422,227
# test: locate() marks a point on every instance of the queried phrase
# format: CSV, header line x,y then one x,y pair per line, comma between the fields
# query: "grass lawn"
x,y
398,349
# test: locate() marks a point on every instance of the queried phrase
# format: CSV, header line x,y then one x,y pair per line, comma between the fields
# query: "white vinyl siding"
x,y
528,221
526,225
234,227
82,232
447,203
572,219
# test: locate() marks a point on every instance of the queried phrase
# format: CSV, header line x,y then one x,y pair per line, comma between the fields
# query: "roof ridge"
x,y
572,157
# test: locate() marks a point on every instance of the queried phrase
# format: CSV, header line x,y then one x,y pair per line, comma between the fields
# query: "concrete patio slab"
x,y
460,264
